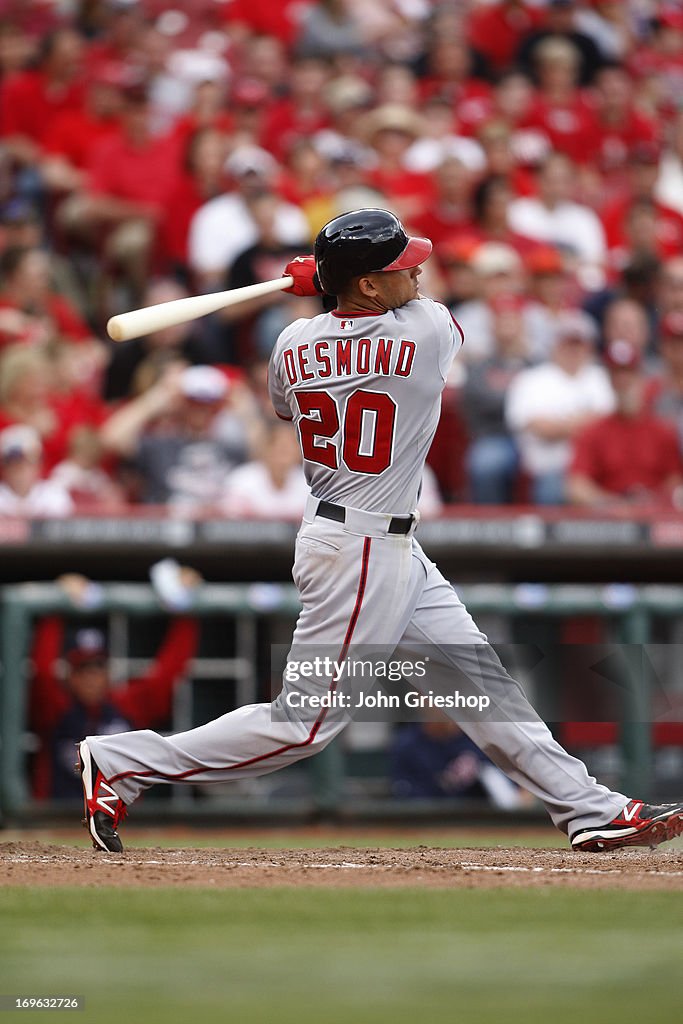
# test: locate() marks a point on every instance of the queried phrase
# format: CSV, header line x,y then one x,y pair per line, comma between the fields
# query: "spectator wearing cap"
x,y
498,271
548,404
183,465
665,392
553,218
492,457
390,131
22,492
224,227
72,691
551,293
559,22
643,171
630,456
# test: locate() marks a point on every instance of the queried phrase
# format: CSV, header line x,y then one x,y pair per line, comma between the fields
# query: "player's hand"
x,y
302,269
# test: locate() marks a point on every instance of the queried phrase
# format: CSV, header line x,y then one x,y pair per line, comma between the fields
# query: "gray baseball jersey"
x,y
364,392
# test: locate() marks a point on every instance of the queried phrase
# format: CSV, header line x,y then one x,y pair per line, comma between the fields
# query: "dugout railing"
x,y
629,610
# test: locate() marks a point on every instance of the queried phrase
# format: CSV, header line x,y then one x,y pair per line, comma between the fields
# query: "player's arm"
x,y
148,699
48,699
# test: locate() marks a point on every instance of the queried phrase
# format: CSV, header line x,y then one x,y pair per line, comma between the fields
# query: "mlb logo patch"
x,y
346,325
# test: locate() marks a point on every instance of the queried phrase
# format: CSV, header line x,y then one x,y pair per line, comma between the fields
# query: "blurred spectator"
x,y
440,140
436,760
621,128
665,392
509,153
670,291
625,320
550,294
491,205
547,405
224,227
73,133
180,463
498,271
184,342
669,186
22,492
559,22
272,486
560,109
302,111
668,227
262,261
450,210
84,701
82,476
455,72
30,99
131,176
630,456
390,131
203,178
554,218
496,30
492,457
610,24
30,395
329,29
30,310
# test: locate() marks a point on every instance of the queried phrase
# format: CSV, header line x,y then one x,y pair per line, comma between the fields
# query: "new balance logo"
x,y
107,803
629,813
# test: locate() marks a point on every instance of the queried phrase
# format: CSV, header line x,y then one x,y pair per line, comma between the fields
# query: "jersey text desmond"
x,y
346,357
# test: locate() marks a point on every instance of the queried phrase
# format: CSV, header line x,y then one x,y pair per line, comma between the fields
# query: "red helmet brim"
x,y
415,253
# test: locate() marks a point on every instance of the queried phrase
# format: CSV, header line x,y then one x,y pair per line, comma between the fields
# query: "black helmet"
x,y
364,242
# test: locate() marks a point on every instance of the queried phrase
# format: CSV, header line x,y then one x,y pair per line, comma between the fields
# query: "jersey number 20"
x,y
367,435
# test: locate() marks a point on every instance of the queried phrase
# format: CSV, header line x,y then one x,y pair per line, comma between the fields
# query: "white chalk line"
x,y
175,861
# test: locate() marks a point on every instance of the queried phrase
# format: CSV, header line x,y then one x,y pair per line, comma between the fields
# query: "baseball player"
x,y
362,385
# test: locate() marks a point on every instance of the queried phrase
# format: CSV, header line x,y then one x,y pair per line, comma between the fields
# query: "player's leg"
x,y
355,590
509,731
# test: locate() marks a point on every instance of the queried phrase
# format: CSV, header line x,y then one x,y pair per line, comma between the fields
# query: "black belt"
x,y
328,510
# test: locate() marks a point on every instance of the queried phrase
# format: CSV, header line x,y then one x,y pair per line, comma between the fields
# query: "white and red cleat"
x,y
104,808
638,824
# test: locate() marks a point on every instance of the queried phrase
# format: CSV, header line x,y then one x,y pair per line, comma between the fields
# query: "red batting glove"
x,y
302,269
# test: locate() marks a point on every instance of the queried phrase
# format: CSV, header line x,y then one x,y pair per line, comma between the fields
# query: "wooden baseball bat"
x,y
149,319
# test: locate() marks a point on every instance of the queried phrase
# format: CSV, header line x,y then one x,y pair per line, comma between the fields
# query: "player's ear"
x,y
367,287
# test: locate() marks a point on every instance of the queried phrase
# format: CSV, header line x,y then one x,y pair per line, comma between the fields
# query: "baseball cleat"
x,y
638,824
104,809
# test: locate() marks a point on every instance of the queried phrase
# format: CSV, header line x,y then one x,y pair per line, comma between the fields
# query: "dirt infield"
x,y
36,863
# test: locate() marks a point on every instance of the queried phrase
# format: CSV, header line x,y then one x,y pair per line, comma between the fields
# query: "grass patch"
x,y
297,956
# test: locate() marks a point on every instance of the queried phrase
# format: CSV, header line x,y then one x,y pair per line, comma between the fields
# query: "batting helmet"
x,y
364,242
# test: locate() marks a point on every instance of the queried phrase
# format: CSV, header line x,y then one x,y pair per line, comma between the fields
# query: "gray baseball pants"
x,y
361,586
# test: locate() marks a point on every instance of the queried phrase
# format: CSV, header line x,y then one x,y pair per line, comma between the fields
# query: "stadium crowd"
x,y
150,150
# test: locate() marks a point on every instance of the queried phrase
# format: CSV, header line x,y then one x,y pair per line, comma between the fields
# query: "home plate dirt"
x,y
35,863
